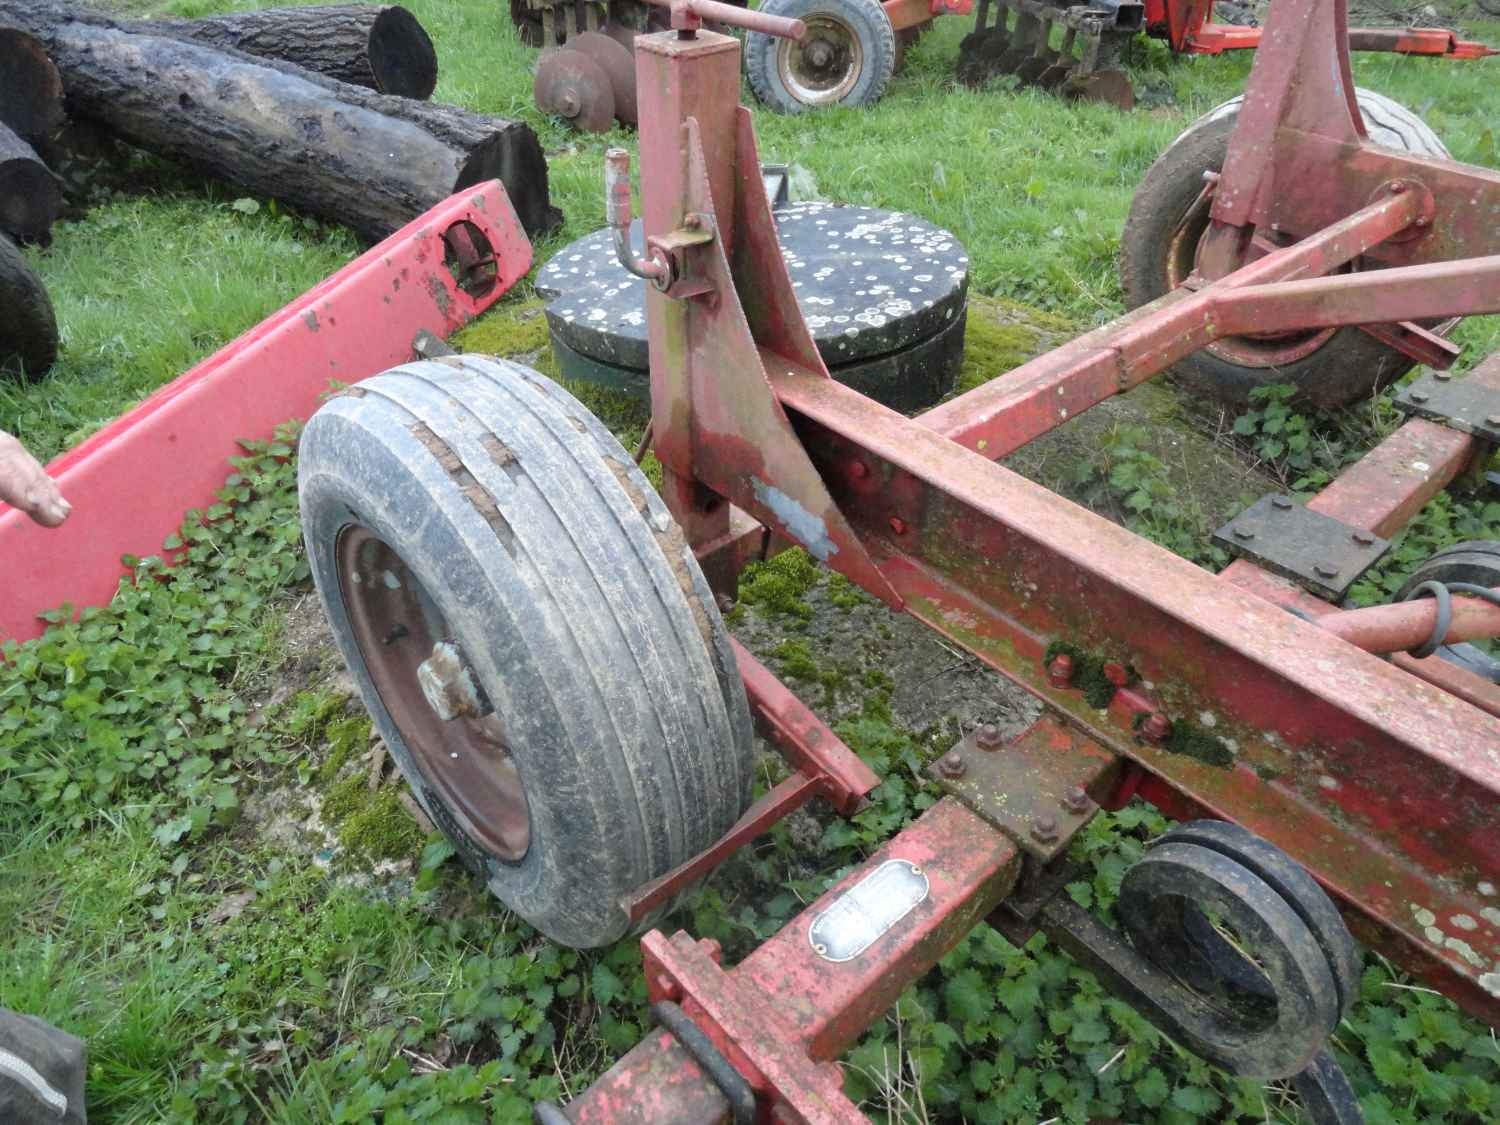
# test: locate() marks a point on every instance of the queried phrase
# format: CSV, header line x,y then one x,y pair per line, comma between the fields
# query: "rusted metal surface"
x,y
1038,788
1400,780
1317,551
131,483
1469,405
1188,26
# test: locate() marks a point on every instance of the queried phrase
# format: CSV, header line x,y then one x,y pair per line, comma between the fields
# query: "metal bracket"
x,y
1467,405
1325,555
1039,788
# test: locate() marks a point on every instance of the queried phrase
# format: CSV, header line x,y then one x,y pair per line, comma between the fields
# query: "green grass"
x,y
221,975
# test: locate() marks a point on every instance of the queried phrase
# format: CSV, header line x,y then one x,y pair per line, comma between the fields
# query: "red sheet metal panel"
x,y
132,481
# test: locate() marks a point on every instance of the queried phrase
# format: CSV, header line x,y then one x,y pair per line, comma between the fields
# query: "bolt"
x,y
1398,186
1419,396
1363,538
1157,728
1060,671
1282,502
1116,674
987,737
898,525
1423,221
1243,532
1325,570
448,685
1044,830
951,765
858,470
1492,419
1442,376
1076,800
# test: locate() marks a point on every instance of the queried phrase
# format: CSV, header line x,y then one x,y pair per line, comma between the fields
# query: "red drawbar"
x,y
131,482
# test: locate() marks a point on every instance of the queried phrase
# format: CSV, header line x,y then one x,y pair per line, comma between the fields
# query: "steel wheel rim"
x,y
1276,350
395,624
823,67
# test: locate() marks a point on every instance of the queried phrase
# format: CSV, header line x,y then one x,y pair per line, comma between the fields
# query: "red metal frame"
x,y
1188,26
130,483
1384,784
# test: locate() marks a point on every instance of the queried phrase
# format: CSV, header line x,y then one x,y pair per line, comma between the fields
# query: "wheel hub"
x,y
825,65
446,722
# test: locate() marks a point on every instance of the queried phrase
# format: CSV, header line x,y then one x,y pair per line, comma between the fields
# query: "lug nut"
x,y
1060,670
987,737
1157,728
1044,830
951,765
858,470
1076,800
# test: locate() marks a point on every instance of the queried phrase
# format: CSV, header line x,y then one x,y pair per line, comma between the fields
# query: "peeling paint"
x,y
809,530
310,318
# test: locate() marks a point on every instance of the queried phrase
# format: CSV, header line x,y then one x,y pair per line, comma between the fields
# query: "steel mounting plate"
x,y
1325,555
1029,786
1467,405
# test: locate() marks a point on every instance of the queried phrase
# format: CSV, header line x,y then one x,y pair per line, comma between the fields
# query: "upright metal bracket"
x,y
1325,555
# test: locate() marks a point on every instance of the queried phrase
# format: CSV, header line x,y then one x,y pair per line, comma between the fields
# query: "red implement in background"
x,y
1188,26
131,482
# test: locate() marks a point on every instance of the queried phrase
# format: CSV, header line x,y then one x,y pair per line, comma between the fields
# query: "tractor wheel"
x,y
28,333
846,58
1329,367
530,633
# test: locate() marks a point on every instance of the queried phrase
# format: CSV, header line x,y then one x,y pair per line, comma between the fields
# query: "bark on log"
x,y
368,160
30,195
31,93
28,330
381,48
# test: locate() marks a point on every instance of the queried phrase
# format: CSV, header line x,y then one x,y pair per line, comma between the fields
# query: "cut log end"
x,y
402,58
31,93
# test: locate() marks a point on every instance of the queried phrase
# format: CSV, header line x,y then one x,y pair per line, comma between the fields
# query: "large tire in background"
x,y
530,633
28,327
1330,368
846,58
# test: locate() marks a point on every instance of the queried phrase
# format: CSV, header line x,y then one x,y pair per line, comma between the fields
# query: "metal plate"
x,y
909,379
858,917
1028,786
1325,555
868,281
1466,405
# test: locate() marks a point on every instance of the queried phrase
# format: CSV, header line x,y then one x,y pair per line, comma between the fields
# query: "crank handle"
x,y
655,268
688,16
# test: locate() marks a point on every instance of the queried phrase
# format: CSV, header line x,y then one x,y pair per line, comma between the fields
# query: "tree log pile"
x,y
299,104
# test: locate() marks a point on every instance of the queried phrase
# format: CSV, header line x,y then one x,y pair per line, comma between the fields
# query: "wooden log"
x,y
28,330
382,48
30,195
370,161
31,93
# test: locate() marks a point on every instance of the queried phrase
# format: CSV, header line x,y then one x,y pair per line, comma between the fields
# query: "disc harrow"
x,y
1087,63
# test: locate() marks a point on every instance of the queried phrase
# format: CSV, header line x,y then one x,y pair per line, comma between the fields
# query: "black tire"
x,y
1347,365
1476,561
28,330
506,519
788,78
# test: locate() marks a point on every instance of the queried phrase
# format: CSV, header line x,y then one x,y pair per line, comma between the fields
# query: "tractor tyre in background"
x,y
530,632
1331,367
28,327
847,57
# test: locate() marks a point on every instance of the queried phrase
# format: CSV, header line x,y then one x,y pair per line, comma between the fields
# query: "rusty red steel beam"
x,y
1215,38
785,1012
1004,414
1384,787
131,483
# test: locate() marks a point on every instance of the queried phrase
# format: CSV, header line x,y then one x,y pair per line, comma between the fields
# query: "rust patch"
x,y
672,543
439,293
310,318
475,493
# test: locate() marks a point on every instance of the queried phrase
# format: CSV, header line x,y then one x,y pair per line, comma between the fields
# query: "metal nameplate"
x,y
1325,555
868,909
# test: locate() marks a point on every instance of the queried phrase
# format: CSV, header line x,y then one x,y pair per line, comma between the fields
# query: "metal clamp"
x,y
1325,555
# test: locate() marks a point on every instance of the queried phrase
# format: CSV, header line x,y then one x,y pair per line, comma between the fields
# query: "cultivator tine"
x,y
980,52
1028,32
1043,57
1063,61
1098,76
1098,31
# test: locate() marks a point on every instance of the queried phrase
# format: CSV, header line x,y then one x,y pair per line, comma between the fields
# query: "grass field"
x,y
197,876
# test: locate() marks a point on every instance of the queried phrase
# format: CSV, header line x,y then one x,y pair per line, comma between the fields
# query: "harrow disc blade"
x,y
1112,86
571,84
618,64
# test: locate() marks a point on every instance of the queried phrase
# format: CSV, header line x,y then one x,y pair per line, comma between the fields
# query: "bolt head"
x,y
1282,502
1419,396
987,737
1492,419
1044,830
1398,186
898,525
858,470
951,765
1442,376
1116,673
1156,728
1244,533
1363,538
1075,800
1325,570
1060,670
